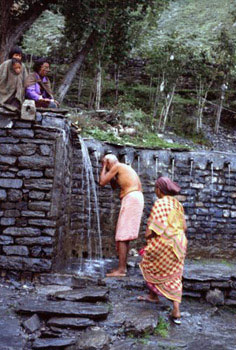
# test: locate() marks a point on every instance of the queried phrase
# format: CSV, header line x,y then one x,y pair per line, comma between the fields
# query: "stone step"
x,y
70,280
70,322
62,308
85,294
52,343
209,270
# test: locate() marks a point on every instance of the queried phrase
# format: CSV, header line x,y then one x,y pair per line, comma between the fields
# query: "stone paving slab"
x,y
10,331
52,343
70,322
205,270
86,294
65,308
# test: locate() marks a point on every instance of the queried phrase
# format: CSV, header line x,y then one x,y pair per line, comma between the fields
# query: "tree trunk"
x,y
5,9
219,110
76,65
92,94
12,28
161,116
98,85
150,91
201,103
168,104
157,94
117,81
80,85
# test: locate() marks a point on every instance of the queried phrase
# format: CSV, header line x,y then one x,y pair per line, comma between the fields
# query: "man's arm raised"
x,y
105,177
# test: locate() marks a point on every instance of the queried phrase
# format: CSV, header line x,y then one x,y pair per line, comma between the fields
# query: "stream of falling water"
x,y
212,180
172,169
229,172
138,159
191,169
156,166
89,182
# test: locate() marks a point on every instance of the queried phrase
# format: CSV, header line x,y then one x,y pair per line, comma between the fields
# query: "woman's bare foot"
x,y
175,312
150,297
114,270
116,273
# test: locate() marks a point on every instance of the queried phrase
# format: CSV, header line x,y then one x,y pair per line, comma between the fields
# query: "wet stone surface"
x,y
48,308
89,294
30,319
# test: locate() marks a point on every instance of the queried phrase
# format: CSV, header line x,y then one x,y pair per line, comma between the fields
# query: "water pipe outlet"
x,y
108,151
123,153
92,150
136,154
155,156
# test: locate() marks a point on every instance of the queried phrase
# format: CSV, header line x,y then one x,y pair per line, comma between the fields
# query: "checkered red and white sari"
x,y
163,258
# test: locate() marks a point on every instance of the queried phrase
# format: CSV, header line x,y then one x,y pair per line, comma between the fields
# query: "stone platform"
x,y
67,311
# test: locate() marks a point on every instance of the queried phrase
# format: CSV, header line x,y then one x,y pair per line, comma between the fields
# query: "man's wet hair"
x,y
38,64
111,157
15,49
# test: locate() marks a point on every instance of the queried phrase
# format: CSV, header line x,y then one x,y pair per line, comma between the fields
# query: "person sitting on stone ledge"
x,y
12,77
38,87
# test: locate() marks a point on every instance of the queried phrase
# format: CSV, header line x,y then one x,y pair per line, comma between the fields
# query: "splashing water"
x,y
172,169
229,172
87,174
212,175
191,169
138,160
156,165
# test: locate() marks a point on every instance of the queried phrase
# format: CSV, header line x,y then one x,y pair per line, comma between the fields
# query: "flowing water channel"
x,y
90,205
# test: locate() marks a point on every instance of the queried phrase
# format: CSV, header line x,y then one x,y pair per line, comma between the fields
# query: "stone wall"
x,y
45,201
34,191
208,182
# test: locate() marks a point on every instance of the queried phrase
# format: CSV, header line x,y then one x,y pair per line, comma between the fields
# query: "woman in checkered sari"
x,y
163,257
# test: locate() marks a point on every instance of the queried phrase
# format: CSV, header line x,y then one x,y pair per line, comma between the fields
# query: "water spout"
x,y
156,158
228,165
108,151
210,162
137,156
123,154
92,150
172,160
191,167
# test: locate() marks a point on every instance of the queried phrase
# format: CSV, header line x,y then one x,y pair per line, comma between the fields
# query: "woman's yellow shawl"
x,y
167,220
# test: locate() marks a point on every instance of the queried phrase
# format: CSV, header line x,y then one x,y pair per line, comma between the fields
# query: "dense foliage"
x,y
187,52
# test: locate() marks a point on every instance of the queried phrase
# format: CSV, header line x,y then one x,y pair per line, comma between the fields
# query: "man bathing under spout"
x,y
131,210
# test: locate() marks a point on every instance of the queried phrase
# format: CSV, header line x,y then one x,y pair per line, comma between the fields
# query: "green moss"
x,y
185,100
147,140
162,328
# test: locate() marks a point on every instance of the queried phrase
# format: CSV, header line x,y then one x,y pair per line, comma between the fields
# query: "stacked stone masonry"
x,y
44,195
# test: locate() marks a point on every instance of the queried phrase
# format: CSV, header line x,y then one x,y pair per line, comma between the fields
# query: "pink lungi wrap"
x,y
127,228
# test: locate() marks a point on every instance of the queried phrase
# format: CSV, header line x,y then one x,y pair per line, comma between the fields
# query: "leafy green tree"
x,y
91,25
47,32
16,17
202,42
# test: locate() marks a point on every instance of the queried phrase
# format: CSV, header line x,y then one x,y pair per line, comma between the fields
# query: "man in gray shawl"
x,y
12,81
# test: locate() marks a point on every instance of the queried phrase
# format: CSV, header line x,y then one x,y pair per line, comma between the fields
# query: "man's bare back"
x,y
128,223
123,174
127,179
